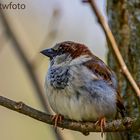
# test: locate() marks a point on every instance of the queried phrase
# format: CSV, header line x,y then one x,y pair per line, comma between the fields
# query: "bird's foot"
x,y
102,123
56,118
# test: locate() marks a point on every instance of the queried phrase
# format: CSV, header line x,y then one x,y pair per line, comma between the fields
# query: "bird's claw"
x,y
56,118
102,123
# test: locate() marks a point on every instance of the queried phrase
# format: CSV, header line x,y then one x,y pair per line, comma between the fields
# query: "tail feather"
x,y
120,106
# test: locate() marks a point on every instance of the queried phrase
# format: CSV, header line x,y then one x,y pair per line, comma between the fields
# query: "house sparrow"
x,y
79,85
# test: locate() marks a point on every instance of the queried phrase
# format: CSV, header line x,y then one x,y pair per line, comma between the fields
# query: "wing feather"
x,y
100,69
103,72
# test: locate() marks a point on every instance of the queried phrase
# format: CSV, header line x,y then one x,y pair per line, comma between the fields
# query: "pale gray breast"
x,y
78,94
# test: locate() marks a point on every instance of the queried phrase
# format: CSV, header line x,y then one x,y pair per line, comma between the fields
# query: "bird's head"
x,y
67,52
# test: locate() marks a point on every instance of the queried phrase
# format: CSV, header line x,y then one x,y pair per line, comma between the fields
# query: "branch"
x,y
126,124
114,45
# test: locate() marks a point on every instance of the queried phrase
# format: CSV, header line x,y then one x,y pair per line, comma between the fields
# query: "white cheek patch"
x,y
61,60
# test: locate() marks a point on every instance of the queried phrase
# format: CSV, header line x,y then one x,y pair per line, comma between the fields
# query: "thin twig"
x,y
50,35
17,46
30,71
126,124
114,45
3,40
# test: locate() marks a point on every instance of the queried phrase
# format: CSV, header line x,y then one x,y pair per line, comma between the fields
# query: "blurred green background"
x,y
40,25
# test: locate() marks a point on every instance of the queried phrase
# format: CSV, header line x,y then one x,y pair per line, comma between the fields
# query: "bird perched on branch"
x,y
79,85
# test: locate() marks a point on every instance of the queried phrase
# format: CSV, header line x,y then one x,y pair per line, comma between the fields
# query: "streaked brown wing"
x,y
100,69
103,72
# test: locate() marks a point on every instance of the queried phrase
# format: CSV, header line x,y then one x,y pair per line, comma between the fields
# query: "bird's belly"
x,y
72,107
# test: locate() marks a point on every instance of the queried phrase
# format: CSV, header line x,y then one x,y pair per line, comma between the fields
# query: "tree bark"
x,y
124,21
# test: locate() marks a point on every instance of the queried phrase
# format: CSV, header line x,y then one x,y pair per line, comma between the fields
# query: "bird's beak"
x,y
49,52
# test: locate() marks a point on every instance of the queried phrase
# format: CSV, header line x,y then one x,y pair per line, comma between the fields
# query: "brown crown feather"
x,y
74,49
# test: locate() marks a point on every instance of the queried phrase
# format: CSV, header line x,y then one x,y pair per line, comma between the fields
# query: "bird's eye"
x,y
60,47
55,49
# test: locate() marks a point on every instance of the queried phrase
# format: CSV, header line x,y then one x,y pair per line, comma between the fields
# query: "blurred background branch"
x,y
24,59
49,37
114,45
124,23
